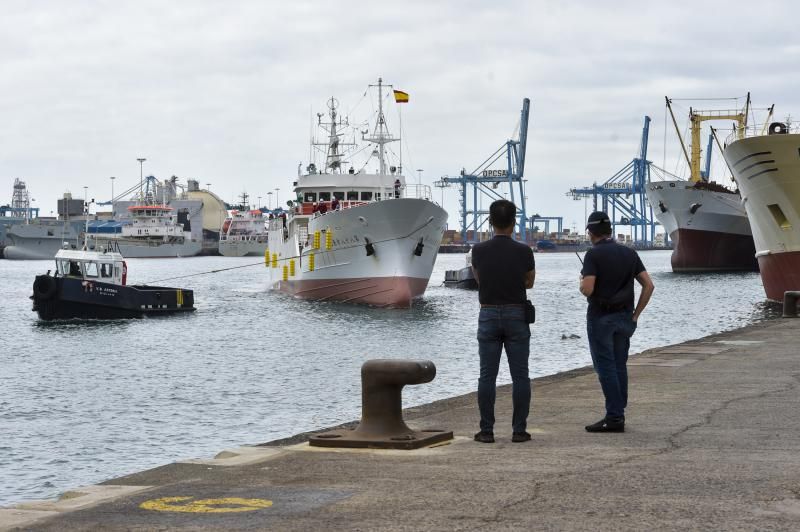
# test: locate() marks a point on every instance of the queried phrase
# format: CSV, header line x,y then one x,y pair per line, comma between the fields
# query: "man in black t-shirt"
x,y
609,270
504,270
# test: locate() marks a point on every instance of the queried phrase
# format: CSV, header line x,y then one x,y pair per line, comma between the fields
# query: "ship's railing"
x,y
417,191
757,130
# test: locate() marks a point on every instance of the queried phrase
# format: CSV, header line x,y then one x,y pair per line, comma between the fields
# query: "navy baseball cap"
x,y
596,219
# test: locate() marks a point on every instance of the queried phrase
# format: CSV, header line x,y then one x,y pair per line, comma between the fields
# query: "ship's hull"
x,y
40,241
767,171
242,248
463,278
709,229
144,249
404,237
59,298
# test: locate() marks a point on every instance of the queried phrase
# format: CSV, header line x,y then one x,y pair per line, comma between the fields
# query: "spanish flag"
x,y
400,97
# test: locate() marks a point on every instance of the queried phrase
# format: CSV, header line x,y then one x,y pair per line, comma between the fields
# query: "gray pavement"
x,y
712,443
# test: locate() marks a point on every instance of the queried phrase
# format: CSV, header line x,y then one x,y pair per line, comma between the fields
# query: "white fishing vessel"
x,y
705,220
152,231
767,169
243,233
356,235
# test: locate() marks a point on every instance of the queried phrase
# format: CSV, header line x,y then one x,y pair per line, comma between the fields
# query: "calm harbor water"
x,y
82,402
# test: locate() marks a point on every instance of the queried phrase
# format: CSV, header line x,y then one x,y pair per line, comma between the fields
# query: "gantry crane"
x,y
696,119
486,179
623,197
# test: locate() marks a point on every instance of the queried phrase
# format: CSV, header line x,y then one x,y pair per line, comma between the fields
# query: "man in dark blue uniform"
x,y
504,269
607,282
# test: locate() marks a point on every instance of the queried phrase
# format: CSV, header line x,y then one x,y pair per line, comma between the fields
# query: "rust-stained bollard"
x,y
382,424
790,299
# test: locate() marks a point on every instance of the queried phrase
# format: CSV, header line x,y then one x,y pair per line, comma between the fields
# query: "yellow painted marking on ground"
x,y
210,506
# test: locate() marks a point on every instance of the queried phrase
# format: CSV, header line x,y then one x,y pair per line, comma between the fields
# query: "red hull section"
x,y
395,292
697,251
780,272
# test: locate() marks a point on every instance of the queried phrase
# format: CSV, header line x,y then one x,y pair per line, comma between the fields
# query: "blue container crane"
x,y
535,219
623,197
485,180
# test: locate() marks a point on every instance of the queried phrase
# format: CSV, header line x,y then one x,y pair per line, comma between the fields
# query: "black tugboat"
x,y
462,278
92,285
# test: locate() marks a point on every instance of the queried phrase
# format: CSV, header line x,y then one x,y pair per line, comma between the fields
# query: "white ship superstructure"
x,y
355,235
767,170
243,233
152,232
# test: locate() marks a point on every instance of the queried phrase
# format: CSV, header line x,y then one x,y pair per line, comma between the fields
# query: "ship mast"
x,y
381,135
333,156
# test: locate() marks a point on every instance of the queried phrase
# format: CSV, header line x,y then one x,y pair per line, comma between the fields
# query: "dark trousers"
x,y
500,327
609,342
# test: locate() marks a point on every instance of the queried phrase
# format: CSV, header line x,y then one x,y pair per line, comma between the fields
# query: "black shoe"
x,y
485,437
607,424
518,437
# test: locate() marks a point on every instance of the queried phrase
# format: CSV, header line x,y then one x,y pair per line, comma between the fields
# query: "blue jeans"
x,y
609,342
498,327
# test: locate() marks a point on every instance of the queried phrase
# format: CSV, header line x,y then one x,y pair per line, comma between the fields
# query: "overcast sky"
x,y
222,91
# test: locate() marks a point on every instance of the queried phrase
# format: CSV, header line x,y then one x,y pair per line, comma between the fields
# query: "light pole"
x,y
277,201
269,200
419,176
141,178
259,203
208,187
86,214
112,195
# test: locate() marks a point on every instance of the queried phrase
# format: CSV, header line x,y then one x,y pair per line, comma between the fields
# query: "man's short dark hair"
x,y
599,224
502,214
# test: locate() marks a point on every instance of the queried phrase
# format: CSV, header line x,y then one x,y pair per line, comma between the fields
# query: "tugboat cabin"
x,y
104,267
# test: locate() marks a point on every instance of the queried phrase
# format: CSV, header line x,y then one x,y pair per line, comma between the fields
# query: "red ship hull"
x,y
393,292
780,272
698,251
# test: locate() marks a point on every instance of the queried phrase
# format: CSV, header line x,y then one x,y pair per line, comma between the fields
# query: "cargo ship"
x,y
705,220
767,169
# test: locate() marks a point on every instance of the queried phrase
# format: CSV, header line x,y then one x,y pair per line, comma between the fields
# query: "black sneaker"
x,y
484,437
518,437
607,424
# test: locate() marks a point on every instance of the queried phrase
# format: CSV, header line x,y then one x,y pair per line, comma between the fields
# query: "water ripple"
x,y
85,401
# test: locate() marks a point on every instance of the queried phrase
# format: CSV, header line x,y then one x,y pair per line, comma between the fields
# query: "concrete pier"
x,y
712,442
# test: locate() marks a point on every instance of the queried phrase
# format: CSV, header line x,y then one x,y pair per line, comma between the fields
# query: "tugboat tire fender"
x,y
44,287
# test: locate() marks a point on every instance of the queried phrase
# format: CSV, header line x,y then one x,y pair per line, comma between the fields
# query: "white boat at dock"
x,y
152,232
354,235
243,233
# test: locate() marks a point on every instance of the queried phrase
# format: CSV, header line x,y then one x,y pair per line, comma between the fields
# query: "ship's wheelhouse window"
x,y
105,270
366,196
62,266
324,196
377,196
352,195
91,269
310,196
75,268
338,195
